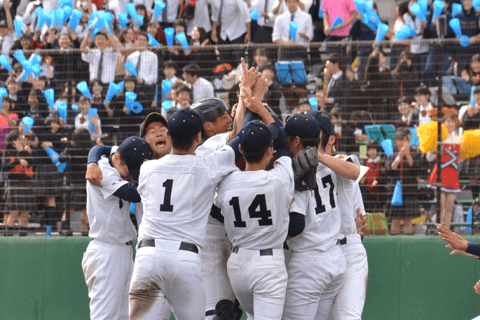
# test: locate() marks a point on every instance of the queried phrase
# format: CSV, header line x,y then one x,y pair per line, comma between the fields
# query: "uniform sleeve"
x,y
97,152
300,202
111,181
220,163
283,170
473,248
358,199
128,192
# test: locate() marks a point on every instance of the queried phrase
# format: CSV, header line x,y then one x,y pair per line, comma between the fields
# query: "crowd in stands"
x,y
356,83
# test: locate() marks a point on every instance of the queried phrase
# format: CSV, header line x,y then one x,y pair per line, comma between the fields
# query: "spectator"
x,y
48,180
401,8
18,162
142,11
345,9
361,32
344,134
96,88
449,170
202,57
335,92
170,71
266,21
84,120
169,14
404,75
19,103
126,36
236,31
38,105
281,32
274,94
177,52
8,121
184,96
201,88
200,18
380,89
418,48
356,91
259,57
470,23
302,106
422,97
146,65
370,181
408,114
7,39
102,59
403,165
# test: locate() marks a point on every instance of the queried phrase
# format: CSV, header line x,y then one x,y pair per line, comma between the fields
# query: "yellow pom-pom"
x,y
428,136
444,132
470,145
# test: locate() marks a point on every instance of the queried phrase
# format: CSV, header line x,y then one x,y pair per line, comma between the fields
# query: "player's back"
x,y
108,215
177,194
322,216
255,205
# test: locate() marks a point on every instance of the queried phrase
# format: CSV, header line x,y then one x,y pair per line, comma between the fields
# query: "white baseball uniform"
x,y
317,265
108,263
255,205
177,194
216,251
351,298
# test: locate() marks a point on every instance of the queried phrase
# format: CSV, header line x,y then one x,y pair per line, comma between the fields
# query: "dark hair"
x,y
336,111
403,99
130,77
259,52
180,22
182,144
123,33
325,137
82,138
84,99
170,64
7,99
192,69
423,90
255,157
401,133
373,144
183,88
371,68
306,142
146,20
334,58
101,34
141,33
177,85
400,68
52,117
43,78
93,81
266,66
477,90
448,117
203,34
402,7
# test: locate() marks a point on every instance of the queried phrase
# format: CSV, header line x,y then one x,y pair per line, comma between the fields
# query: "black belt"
x,y
129,243
264,252
342,241
183,246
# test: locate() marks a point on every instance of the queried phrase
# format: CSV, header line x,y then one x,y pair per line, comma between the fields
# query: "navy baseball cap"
x,y
323,121
185,123
255,136
152,117
303,126
135,151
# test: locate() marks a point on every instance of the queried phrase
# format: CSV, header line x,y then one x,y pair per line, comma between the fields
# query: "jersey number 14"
x,y
256,210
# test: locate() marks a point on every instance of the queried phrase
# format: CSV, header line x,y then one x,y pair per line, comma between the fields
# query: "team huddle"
x,y
278,238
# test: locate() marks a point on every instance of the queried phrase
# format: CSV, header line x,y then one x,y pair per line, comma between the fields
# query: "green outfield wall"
x,y
410,278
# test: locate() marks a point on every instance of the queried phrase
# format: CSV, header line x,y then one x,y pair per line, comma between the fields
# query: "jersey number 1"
x,y
263,214
167,206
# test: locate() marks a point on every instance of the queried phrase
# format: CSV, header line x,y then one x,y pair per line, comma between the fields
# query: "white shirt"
x,y
236,13
256,205
117,6
109,216
260,5
7,44
322,215
87,124
426,118
200,19
148,68
172,9
281,30
202,89
416,46
349,198
109,63
177,194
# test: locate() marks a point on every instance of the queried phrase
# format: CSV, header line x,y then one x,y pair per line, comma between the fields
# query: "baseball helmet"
x,y
210,108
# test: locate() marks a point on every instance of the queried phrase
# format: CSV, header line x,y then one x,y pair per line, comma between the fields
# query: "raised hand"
x,y
249,77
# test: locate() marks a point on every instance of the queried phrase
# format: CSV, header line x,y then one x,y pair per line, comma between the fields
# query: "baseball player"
x,y
254,204
350,300
317,246
107,264
177,194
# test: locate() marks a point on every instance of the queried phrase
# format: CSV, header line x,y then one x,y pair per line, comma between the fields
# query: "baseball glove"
x,y
305,165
